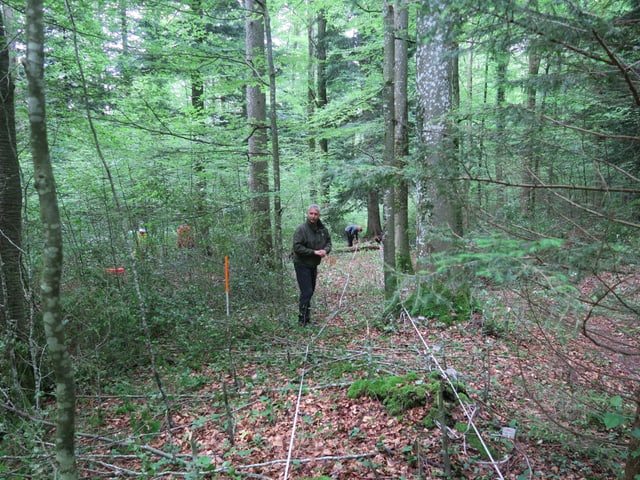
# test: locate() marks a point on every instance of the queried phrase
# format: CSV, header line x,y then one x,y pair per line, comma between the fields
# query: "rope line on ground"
x,y
295,418
465,408
468,410
331,316
346,283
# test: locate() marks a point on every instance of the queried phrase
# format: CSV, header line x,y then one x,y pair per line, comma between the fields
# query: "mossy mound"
x,y
397,393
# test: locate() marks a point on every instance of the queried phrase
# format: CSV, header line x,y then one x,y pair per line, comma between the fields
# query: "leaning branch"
x,y
624,69
548,186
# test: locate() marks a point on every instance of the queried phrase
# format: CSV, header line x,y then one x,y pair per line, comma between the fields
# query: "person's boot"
x,y
303,316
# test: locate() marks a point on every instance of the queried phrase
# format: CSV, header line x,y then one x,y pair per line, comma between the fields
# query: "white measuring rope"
x,y
346,282
306,356
295,418
445,376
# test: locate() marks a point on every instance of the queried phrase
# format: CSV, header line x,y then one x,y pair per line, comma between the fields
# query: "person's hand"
x,y
320,253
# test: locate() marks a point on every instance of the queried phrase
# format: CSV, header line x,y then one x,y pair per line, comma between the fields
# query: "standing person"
x,y
311,243
352,232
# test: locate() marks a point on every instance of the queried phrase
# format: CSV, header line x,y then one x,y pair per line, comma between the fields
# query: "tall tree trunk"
x,y
374,226
502,62
456,193
311,103
12,305
125,71
275,146
322,99
198,106
529,167
437,218
401,134
52,261
389,251
258,150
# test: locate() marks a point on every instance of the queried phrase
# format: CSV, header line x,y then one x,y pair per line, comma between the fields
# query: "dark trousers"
x,y
306,277
350,238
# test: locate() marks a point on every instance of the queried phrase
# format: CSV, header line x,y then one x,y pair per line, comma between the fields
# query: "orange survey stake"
x,y
226,274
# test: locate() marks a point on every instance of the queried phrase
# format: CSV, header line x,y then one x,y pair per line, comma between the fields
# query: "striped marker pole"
x,y
226,281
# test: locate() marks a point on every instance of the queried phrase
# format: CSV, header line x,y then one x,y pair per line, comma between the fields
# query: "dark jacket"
x,y
352,231
307,238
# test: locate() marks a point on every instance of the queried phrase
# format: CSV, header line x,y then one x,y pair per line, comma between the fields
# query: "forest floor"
x,y
277,405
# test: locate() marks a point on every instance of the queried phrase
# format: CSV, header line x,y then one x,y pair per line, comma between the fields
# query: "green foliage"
x,y
472,439
22,449
496,258
611,413
436,298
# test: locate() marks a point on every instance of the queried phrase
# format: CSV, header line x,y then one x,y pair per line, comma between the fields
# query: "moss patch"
x,y
397,393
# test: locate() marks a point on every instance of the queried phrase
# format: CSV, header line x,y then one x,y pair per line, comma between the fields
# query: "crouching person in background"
x,y
352,233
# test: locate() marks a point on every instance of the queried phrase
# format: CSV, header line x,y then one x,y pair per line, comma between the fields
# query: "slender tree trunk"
x,y
468,144
401,140
502,62
389,252
124,35
322,99
529,167
52,261
257,120
275,146
311,104
455,193
374,227
198,106
12,305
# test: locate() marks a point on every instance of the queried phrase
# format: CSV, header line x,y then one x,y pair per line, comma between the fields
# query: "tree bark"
x,y
389,250
401,134
198,106
322,99
258,150
311,103
275,145
437,218
12,305
502,63
530,167
52,261
374,227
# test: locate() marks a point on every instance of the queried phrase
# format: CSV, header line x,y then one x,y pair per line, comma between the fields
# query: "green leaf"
x,y
203,461
615,402
613,420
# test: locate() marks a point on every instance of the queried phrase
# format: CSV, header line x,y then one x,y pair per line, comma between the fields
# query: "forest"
x,y
156,157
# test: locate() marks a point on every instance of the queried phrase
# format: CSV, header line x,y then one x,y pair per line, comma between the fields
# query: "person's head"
x,y
359,228
313,213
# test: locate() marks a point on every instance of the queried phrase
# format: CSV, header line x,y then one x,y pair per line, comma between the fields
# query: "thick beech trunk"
x,y
437,216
